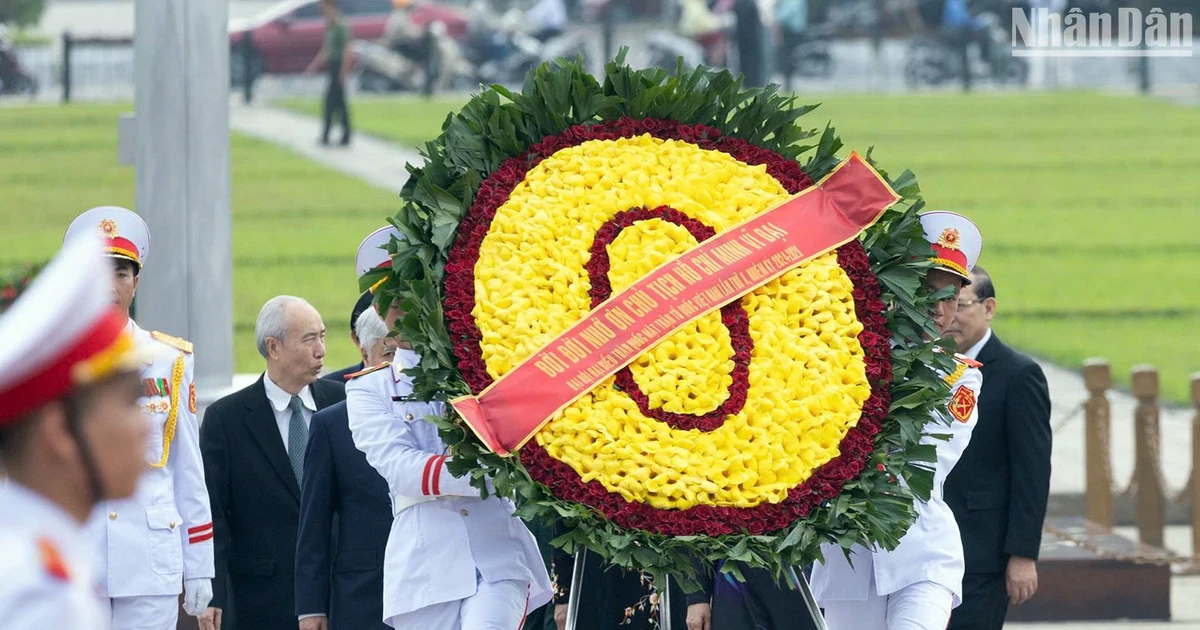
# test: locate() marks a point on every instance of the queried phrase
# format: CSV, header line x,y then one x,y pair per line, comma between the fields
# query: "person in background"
x,y
917,584
748,32
159,541
363,303
1000,487
345,514
706,26
546,19
72,435
337,58
791,16
253,444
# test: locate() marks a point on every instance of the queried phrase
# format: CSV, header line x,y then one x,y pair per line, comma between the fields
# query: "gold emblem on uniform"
x,y
160,406
949,238
108,228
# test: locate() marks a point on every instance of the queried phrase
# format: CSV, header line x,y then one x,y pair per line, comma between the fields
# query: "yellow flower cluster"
x,y
690,371
807,373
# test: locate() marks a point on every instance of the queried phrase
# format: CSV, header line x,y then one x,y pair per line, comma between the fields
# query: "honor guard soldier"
x,y
71,436
453,561
915,586
159,540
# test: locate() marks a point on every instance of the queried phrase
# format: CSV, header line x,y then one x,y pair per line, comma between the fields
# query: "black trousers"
x,y
985,602
335,104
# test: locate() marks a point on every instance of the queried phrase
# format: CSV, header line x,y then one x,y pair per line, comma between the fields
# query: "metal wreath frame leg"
x,y
664,604
810,601
664,596
576,585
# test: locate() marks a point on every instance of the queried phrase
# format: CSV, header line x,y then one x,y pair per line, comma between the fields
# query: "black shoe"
x,y
345,142
324,142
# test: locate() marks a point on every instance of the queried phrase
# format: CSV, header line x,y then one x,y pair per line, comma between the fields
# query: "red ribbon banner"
x,y
722,269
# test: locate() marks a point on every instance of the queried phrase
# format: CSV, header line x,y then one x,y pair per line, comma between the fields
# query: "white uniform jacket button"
x,y
464,512
171,524
112,516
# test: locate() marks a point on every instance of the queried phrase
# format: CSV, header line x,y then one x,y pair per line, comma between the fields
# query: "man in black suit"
x,y
253,443
363,303
339,485
998,490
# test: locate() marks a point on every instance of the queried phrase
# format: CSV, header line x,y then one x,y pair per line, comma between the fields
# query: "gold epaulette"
x,y
374,368
175,342
962,358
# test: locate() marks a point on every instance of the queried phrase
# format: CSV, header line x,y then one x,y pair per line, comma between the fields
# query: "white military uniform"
x,y
914,586
163,534
453,560
47,581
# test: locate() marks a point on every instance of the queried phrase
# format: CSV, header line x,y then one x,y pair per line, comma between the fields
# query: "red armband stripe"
x,y
199,529
437,474
201,538
425,475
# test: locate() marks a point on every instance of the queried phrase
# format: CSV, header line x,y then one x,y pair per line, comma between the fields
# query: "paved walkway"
x,y
376,162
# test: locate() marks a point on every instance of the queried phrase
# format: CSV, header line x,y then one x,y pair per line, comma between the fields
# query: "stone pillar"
x,y
1098,499
1151,504
181,56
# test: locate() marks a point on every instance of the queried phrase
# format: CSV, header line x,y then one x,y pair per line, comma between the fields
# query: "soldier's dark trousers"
x,y
335,104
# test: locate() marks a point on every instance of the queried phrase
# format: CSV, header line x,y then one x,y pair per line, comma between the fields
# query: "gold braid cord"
x,y
953,377
173,416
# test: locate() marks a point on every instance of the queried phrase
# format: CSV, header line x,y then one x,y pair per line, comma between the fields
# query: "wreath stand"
x,y
664,597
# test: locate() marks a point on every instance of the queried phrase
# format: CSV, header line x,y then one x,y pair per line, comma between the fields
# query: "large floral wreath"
x,y
754,433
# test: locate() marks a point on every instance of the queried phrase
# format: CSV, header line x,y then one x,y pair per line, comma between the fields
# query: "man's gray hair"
x,y
272,320
369,328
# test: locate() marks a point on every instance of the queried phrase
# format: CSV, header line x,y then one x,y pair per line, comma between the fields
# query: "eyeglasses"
x,y
968,303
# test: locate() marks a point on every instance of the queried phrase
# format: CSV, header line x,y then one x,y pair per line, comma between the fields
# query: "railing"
x,y
1147,486
106,62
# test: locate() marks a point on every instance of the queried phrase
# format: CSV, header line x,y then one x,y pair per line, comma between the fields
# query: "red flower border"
x,y
825,483
733,316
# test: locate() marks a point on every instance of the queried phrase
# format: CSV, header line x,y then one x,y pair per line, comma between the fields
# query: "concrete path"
x,y
376,162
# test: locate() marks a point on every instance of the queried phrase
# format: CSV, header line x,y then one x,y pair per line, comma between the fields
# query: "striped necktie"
x,y
297,437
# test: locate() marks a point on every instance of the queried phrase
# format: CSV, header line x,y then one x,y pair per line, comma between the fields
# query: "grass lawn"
x,y
296,225
1089,205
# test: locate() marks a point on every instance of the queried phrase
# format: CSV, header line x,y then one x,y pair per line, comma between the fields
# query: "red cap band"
x,y
54,379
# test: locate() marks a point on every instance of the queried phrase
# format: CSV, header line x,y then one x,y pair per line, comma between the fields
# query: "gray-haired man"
x,y
253,444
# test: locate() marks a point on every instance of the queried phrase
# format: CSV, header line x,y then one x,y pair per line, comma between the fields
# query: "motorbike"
x,y
666,48
429,65
811,54
934,60
14,79
506,53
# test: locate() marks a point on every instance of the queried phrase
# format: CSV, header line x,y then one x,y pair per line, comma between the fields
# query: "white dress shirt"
x,y
283,413
974,351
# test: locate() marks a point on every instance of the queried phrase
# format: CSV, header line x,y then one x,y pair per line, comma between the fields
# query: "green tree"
x,y
21,12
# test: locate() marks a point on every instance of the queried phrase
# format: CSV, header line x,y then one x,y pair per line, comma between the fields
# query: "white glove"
x,y
196,595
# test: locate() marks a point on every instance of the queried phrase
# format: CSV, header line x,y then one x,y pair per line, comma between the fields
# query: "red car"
x,y
285,37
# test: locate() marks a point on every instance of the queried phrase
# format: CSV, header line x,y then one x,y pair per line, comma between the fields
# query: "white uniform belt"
x,y
401,502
